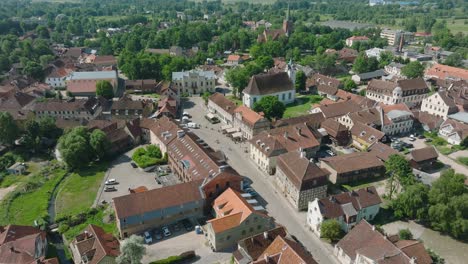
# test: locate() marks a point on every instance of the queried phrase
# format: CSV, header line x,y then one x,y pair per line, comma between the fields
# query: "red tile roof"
x,y
447,72
96,244
18,243
248,115
285,251
354,162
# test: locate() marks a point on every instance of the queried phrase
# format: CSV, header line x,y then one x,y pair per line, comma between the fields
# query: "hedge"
x,y
176,259
149,156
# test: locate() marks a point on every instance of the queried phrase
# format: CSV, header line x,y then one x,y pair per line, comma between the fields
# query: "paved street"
x,y
275,204
127,177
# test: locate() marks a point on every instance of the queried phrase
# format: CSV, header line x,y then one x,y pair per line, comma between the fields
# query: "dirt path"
x,y
5,191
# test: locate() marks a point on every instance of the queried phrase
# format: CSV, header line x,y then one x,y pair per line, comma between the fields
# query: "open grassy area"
x,y
94,219
30,200
301,106
79,190
463,160
364,183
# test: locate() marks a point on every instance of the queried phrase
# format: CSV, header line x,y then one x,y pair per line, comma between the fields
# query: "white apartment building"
x,y
439,104
194,81
410,92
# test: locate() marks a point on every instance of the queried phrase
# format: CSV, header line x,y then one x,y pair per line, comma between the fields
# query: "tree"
x,y
360,64
104,88
205,97
349,84
132,250
412,202
449,184
33,134
99,143
48,127
265,62
8,129
34,70
454,60
271,107
386,57
75,148
331,229
405,234
300,82
413,69
400,172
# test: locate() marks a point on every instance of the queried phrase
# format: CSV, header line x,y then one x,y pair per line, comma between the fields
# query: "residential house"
x,y
159,132
364,135
169,101
249,122
24,244
329,86
84,83
347,208
394,69
235,218
234,60
6,91
77,109
453,131
299,179
15,100
367,76
19,168
144,86
352,167
427,121
313,121
138,212
374,52
365,244
103,61
57,78
355,39
267,146
224,108
347,55
94,246
128,108
284,251
382,151
410,92
398,119
337,110
251,248
445,72
194,82
121,134
275,84
423,158
448,100
337,132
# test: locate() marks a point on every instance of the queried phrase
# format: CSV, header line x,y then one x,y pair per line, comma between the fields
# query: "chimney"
x,y
12,249
285,134
265,235
180,133
299,131
381,113
373,228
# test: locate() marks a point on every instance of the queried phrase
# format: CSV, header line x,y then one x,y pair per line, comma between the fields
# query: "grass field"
x,y
97,220
79,190
463,160
301,106
32,204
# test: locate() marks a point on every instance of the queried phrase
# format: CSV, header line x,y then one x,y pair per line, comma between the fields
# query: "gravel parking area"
x,y
126,177
181,242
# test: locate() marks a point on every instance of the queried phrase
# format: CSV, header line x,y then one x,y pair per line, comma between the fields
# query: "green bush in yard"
x,y
149,156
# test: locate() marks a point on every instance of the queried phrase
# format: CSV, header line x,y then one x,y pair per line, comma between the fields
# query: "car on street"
x,y
213,120
187,224
186,114
110,182
110,189
193,125
133,165
421,137
330,152
148,238
166,231
412,139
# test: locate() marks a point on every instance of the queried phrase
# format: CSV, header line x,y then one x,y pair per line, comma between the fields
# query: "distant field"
x,y
249,1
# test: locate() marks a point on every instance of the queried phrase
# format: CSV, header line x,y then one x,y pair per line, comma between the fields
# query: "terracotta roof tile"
x,y
221,101
285,251
447,72
424,154
354,161
248,115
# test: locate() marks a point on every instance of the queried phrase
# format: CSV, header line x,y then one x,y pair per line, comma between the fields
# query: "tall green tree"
x,y
400,172
75,148
132,250
331,229
412,202
8,129
99,143
271,107
454,60
300,82
104,88
413,69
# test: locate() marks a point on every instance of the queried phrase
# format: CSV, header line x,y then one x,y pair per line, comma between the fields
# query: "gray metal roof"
x,y
397,113
93,75
371,75
460,116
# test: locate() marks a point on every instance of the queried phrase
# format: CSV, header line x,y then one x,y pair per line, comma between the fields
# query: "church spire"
x,y
288,13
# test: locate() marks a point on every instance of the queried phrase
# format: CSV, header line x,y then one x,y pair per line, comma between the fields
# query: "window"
x,y
290,96
258,227
228,237
283,97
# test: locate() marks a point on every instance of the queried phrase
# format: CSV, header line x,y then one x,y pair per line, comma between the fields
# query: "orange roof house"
x,y
236,218
446,72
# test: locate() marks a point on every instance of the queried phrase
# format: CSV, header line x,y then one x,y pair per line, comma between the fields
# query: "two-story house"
x,y
159,132
440,104
235,218
194,82
272,84
351,167
76,109
221,106
95,246
453,131
299,179
347,208
249,122
267,146
410,92
364,135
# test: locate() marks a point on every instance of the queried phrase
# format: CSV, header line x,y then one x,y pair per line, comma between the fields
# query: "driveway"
x,y
276,205
180,243
127,177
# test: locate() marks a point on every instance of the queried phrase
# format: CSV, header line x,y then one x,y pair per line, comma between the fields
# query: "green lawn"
x,y
97,220
79,190
301,106
30,200
463,160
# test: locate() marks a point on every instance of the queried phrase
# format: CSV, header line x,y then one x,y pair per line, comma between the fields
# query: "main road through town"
x,y
276,205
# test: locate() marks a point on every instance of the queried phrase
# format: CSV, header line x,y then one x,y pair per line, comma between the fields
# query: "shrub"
x,y
405,234
149,156
176,259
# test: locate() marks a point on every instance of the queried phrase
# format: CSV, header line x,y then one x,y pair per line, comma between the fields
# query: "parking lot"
x,y
181,241
126,177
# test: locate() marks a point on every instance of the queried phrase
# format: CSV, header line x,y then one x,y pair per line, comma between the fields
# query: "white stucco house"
x,y
453,129
270,84
194,81
410,92
347,208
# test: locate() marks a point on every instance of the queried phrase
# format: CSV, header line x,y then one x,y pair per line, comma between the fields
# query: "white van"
x,y
193,125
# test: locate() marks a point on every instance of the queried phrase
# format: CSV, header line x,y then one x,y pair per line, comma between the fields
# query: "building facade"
x,y
411,92
194,82
224,108
272,84
249,122
439,104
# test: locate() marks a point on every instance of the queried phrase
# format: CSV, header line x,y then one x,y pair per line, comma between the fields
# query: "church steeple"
x,y
287,23
288,12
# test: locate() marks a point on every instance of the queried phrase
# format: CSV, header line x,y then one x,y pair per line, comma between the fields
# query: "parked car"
x,y
193,125
166,231
176,227
134,165
421,137
198,229
412,139
110,189
187,224
330,152
158,235
213,120
148,238
111,182
186,114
